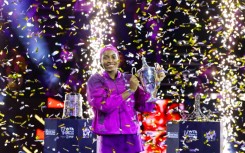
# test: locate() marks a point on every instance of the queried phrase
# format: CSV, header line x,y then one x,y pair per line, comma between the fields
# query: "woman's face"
x,y
110,61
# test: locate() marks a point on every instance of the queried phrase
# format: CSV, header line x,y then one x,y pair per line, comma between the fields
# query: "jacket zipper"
x,y
120,124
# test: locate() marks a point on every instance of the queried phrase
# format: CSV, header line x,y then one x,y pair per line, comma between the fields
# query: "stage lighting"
x,y
1,18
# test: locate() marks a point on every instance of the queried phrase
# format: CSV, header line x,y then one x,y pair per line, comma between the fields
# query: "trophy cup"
x,y
72,106
196,114
147,76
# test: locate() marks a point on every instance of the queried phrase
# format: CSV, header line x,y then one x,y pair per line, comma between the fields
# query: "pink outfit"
x,y
113,115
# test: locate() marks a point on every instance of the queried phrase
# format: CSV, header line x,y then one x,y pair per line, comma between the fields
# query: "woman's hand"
x,y
133,83
160,75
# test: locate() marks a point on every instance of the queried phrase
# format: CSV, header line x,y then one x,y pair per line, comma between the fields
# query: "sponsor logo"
x,y
174,135
50,132
190,135
87,133
210,136
67,132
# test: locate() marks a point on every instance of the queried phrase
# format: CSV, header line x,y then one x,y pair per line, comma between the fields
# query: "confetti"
x,y
50,48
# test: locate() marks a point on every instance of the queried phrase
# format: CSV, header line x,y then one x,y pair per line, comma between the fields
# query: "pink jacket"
x,y
112,114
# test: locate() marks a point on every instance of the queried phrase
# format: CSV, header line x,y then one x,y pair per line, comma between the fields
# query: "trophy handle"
x,y
134,71
156,64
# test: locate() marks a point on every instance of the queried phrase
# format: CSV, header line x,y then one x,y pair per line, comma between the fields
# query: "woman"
x,y
115,98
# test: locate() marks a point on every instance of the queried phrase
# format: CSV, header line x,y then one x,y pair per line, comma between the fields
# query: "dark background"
x,y
52,57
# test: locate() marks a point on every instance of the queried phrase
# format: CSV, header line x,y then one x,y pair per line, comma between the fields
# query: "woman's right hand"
x,y
133,83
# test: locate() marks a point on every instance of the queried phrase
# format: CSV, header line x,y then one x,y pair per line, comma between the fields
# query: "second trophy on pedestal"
x,y
72,106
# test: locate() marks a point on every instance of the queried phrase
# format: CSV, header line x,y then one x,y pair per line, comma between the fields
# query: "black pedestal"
x,y
190,136
69,135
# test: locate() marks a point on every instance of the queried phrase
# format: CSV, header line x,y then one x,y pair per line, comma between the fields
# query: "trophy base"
x,y
152,99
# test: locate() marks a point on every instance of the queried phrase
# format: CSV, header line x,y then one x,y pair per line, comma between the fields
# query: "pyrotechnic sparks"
x,y
228,26
192,39
101,27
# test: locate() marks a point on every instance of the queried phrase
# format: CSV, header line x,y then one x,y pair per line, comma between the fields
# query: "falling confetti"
x,y
50,48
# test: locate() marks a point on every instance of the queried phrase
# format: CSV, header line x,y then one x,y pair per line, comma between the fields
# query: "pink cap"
x,y
108,47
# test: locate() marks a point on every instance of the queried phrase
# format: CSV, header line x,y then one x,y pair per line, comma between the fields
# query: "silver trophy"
x,y
147,77
196,114
72,106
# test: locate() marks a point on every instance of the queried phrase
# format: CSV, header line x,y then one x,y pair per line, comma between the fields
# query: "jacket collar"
x,y
105,74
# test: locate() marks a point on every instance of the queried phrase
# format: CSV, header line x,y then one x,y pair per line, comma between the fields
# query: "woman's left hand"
x,y
160,75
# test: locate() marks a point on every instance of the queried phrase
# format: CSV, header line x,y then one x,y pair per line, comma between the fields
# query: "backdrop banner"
x,y
69,135
194,136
